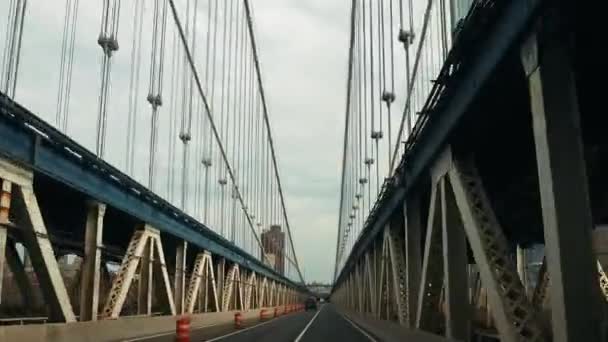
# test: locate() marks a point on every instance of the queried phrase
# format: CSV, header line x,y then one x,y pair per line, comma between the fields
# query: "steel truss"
x,y
213,284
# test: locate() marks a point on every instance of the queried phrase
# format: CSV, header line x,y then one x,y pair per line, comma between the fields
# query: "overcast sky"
x,y
309,118
303,47
304,50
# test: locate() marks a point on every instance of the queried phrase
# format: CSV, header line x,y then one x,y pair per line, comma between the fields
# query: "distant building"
x,y
271,260
273,245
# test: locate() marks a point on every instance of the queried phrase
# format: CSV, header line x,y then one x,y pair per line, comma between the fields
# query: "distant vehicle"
x,y
310,303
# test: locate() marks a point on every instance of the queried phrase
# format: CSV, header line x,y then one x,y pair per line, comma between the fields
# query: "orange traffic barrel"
x,y
238,320
182,329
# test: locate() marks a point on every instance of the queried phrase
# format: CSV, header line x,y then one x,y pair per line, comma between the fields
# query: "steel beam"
x,y
370,277
522,264
163,284
123,278
180,276
563,185
516,319
18,269
381,285
5,206
91,263
428,316
398,270
196,278
232,289
145,281
3,240
457,309
221,278
413,256
42,255
249,290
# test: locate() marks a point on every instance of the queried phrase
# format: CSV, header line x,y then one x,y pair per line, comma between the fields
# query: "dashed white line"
x,y
243,330
141,338
308,325
359,329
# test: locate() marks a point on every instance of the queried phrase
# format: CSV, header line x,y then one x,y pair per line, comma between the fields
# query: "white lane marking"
x,y
168,333
308,325
248,328
359,329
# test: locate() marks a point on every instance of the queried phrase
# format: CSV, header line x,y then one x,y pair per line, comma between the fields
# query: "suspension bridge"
x,y
140,184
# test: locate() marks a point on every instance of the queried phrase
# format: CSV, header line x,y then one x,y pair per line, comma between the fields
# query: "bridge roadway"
x,y
325,324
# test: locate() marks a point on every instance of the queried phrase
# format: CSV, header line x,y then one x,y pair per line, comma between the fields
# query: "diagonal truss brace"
x,y
126,272
201,273
516,319
250,289
431,281
232,281
36,240
397,259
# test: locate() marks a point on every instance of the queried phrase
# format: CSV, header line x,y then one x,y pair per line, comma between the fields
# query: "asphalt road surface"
x,y
325,324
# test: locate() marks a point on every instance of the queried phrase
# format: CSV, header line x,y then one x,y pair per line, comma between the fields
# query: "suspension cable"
x,y
346,133
156,82
108,41
134,86
413,74
66,62
204,99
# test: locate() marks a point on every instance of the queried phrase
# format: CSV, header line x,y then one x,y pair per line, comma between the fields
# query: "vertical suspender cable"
x,y
134,86
156,83
203,98
208,148
173,110
344,153
66,63
412,77
6,51
222,180
12,52
108,42
266,121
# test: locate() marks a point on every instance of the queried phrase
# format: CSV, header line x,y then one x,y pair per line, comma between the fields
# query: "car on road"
x,y
310,303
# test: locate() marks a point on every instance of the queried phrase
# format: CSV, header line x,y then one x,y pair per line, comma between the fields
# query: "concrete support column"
x,y
563,182
180,276
5,205
90,274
